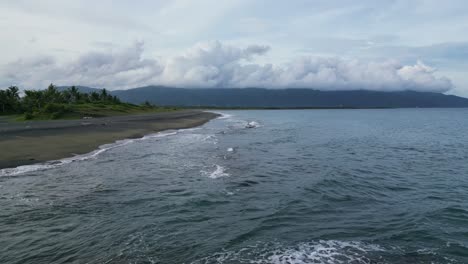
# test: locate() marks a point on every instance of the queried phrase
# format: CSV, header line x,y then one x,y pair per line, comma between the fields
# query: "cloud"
x,y
208,65
123,69
448,54
214,64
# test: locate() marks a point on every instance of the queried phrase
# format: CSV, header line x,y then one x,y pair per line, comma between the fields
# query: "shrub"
x,y
56,115
28,116
52,108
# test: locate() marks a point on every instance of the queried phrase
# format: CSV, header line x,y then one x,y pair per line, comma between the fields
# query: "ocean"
x,y
272,186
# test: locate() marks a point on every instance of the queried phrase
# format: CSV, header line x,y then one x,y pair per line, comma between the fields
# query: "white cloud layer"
x,y
215,64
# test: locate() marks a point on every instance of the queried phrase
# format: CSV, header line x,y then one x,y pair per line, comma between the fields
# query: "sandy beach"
x,y
23,143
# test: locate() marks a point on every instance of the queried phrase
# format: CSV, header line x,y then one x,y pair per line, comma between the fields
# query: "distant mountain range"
x,y
283,98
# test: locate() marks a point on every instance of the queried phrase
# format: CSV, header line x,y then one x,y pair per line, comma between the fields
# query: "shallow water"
x,y
301,186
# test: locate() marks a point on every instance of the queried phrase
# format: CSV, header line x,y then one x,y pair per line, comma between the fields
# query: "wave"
x,y
190,129
238,122
52,164
210,138
221,115
160,134
230,118
323,251
93,154
252,124
219,172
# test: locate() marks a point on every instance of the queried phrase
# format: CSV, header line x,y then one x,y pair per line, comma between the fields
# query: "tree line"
x,y
50,100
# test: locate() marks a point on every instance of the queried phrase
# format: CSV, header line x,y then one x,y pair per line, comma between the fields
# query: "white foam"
x,y
235,123
222,115
324,251
190,138
160,134
211,138
219,172
330,251
230,149
190,129
56,163
24,169
252,124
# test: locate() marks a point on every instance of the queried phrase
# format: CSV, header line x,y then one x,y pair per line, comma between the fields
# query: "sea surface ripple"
x,y
277,186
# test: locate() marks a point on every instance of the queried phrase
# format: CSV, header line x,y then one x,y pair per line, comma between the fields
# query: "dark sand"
x,y
23,143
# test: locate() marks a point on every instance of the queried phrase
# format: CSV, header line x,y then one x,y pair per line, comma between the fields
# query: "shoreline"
x,y
28,143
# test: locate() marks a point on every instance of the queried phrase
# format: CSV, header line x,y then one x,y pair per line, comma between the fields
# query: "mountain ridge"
x,y
283,98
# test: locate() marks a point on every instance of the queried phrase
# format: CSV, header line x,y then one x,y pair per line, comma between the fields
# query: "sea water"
x,y
289,186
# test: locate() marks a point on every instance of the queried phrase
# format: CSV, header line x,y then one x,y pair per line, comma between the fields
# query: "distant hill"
x,y
83,89
284,98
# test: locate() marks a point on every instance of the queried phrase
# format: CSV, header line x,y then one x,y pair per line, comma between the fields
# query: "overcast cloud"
x,y
334,44
214,64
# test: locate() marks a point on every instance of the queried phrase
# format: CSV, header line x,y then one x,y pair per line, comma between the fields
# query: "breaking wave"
x,y
323,251
93,154
219,172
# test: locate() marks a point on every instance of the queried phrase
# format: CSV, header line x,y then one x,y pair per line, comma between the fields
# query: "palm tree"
x,y
3,100
115,99
67,97
9,99
75,94
33,99
14,92
94,97
104,95
52,95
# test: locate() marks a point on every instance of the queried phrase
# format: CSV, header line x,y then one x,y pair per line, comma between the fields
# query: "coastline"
x,y
26,143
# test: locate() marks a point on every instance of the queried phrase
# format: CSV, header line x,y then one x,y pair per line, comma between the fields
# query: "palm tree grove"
x,y
54,103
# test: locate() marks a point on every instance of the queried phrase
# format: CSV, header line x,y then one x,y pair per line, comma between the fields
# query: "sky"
x,y
381,45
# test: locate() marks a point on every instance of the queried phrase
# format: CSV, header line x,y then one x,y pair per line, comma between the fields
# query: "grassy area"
x,y
101,110
79,111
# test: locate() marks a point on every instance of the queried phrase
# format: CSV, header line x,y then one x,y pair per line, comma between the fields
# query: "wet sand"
x,y
23,143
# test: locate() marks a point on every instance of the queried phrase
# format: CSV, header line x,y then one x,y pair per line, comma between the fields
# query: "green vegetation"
x,y
69,104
